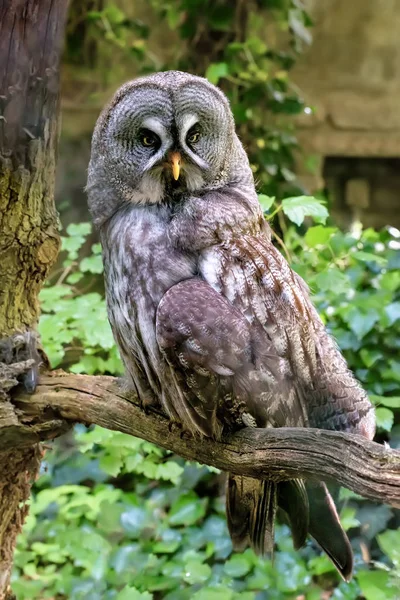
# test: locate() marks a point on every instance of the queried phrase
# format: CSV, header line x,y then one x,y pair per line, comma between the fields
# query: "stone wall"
x,y
351,77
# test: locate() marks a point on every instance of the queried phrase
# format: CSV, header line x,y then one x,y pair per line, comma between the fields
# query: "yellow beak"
x,y
176,164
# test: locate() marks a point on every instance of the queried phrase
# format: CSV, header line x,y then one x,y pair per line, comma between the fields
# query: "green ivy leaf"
x,y
216,71
384,418
297,208
375,585
369,257
79,229
360,322
91,264
196,572
333,280
319,235
266,201
170,471
348,518
187,510
393,312
131,593
389,541
389,401
370,356
237,566
111,464
213,593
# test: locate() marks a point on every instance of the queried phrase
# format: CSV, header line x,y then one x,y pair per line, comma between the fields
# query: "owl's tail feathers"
x,y
293,499
326,529
251,507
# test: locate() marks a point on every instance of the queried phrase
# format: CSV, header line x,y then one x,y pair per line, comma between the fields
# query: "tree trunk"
x,y
31,36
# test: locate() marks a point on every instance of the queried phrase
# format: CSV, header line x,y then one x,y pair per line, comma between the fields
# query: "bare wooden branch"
x,y
365,467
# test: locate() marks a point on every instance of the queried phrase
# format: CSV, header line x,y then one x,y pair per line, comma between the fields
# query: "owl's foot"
x,y
20,360
174,425
185,435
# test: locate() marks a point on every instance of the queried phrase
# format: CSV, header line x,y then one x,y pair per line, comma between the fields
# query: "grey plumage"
x,y
211,322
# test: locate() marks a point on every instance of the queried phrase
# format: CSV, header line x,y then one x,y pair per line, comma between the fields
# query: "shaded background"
x,y
349,76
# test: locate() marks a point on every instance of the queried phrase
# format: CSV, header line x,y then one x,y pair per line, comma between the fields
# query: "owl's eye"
x,y
149,139
193,137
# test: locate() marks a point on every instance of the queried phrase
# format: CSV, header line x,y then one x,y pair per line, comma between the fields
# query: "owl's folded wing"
x,y
217,356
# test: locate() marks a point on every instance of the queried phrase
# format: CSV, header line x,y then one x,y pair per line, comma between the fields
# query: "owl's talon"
x,y
185,434
20,360
174,424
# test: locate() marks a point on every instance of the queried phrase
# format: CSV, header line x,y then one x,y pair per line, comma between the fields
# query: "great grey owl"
x,y
211,322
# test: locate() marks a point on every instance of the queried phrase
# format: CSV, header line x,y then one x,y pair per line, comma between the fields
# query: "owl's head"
x,y
163,137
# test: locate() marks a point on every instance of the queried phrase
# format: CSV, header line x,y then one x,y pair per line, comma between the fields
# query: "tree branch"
x,y
365,467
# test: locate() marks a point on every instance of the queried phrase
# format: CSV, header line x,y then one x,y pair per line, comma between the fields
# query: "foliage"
x,y
116,517
113,517
74,326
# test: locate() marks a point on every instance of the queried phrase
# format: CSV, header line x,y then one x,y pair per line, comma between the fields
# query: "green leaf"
x,y
213,593
237,566
74,278
369,257
297,208
384,418
348,518
298,25
114,14
319,235
266,201
111,465
196,572
170,471
389,401
361,322
187,510
216,71
370,356
333,280
131,593
389,541
91,264
390,280
375,585
79,229
393,312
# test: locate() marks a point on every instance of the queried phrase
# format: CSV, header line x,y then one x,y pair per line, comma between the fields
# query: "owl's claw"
x,y
185,434
20,360
174,424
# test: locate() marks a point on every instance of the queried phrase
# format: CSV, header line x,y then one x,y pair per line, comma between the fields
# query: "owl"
x,y
211,322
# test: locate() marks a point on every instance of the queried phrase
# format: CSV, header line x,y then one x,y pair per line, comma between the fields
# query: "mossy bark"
x,y
31,36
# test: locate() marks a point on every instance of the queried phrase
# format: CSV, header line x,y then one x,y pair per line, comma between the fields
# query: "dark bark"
x,y
31,37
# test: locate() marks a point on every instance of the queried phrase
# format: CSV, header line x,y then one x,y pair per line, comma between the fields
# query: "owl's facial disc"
x,y
173,160
167,141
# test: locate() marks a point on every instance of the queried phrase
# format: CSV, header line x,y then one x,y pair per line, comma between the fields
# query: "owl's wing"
x,y
258,281
218,360
225,367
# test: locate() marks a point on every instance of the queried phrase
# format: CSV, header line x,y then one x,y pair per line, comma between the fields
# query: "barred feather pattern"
x,y
211,322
